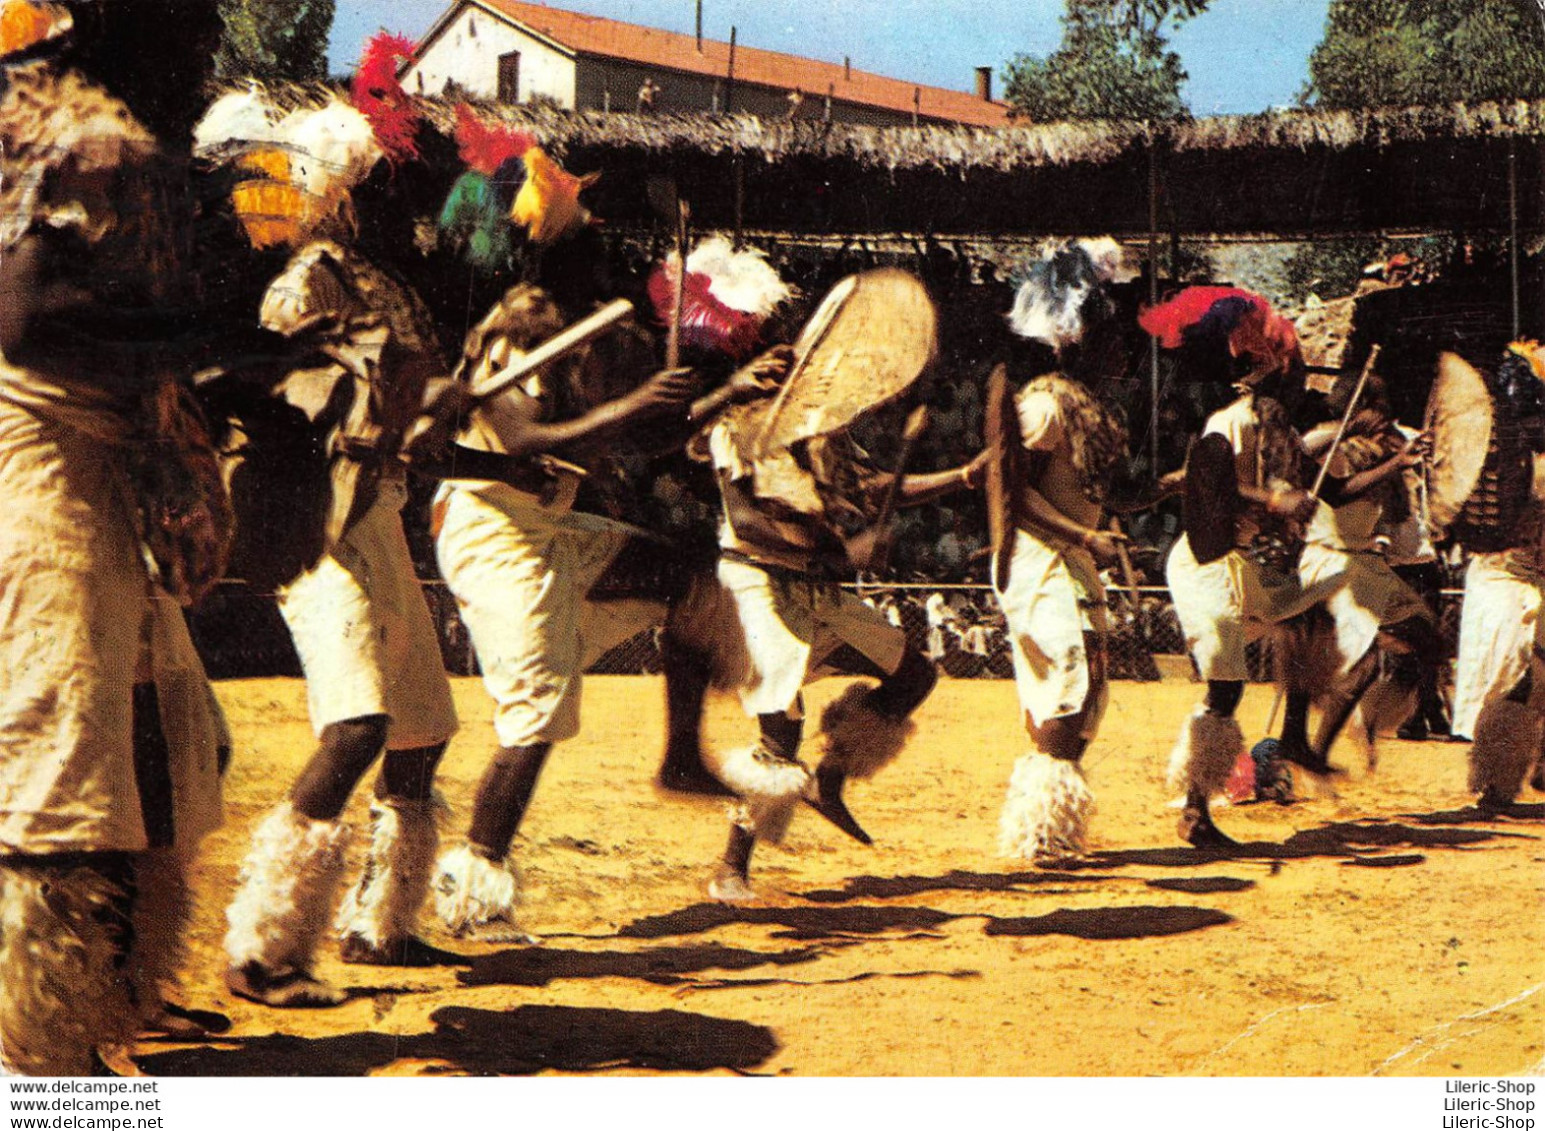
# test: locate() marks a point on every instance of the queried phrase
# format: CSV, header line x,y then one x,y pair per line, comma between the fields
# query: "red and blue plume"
x,y
377,93
726,300
1240,319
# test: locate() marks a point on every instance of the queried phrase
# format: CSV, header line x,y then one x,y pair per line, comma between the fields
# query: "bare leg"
x,y
687,679
865,734
731,881
503,796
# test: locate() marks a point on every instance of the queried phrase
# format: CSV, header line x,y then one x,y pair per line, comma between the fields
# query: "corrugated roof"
x,y
593,35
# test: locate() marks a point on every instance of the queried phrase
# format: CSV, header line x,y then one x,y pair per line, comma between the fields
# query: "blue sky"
x,y
1243,56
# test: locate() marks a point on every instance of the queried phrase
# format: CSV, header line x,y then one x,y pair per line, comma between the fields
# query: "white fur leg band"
x,y
769,787
1507,742
472,891
1046,812
382,908
859,741
284,896
1205,753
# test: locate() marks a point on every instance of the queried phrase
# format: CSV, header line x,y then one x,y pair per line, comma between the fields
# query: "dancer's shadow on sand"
x,y
663,966
899,887
1340,840
800,923
488,1043
1533,812
839,922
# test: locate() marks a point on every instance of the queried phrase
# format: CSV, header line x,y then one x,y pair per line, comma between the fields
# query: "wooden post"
x,y
1513,249
699,27
740,202
729,78
1153,299
917,103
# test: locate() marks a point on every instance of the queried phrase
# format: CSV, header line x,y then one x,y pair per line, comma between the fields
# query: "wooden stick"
x,y
555,347
673,341
1346,419
1129,576
818,332
917,424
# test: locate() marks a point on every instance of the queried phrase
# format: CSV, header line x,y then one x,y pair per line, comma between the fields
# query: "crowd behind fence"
x,y
240,634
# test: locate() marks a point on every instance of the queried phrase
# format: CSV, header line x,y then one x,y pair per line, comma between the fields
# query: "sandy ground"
x,y
1385,929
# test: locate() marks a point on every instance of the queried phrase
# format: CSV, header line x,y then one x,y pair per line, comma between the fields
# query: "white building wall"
x,y
468,52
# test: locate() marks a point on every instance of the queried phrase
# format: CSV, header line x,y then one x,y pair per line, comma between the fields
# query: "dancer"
x,y
359,621
1501,680
109,737
522,560
1372,610
1242,494
799,516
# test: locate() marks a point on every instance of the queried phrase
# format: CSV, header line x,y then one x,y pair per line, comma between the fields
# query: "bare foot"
x,y
297,990
1197,830
825,797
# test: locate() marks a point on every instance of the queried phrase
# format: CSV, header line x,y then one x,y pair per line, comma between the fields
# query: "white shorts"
x,y
365,637
1053,601
1228,604
1365,596
520,574
790,626
1499,625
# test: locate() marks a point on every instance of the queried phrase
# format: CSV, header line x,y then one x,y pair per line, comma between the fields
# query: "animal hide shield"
x,y
1459,419
1001,432
868,343
1211,502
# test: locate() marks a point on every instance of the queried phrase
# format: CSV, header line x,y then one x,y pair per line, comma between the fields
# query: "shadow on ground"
x,y
665,966
484,1042
1112,922
1343,839
899,887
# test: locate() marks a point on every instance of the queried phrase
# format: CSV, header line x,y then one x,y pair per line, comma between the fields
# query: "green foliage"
x,y
1113,63
1428,52
275,40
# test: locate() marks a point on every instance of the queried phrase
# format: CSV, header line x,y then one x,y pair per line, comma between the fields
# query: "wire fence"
x,y
240,634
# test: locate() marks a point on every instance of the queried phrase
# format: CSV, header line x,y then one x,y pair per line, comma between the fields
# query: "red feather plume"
x,y
378,94
1242,318
483,147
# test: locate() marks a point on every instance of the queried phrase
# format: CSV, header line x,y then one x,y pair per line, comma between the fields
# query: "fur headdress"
x,y
1049,305
729,296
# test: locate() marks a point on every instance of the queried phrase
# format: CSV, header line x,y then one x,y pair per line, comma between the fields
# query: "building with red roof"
x,y
514,51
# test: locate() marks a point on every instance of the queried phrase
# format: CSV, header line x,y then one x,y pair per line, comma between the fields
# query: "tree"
x,y
1114,62
276,40
1427,52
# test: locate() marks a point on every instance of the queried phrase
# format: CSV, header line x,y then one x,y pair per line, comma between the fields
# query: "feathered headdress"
x,y
28,24
547,205
377,93
1242,319
729,296
1049,305
296,169
477,211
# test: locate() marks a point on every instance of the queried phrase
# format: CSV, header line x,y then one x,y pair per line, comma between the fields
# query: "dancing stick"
x,y
555,347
